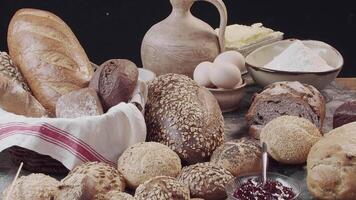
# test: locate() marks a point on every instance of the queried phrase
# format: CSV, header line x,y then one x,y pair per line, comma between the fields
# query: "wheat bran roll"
x,y
184,116
206,181
331,165
147,160
239,156
105,177
289,139
33,186
162,188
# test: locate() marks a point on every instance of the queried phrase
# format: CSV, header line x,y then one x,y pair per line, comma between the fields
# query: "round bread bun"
x,y
103,176
290,138
162,188
147,160
239,156
331,165
206,180
115,195
33,186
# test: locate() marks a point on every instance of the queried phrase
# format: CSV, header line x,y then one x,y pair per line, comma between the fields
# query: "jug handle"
x,y
220,5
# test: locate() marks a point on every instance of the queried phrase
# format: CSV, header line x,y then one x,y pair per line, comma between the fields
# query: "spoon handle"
x,y
264,163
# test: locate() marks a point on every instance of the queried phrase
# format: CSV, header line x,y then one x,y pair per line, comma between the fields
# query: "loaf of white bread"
x,y
48,54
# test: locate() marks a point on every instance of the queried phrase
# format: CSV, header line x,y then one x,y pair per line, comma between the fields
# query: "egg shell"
x,y
232,57
225,75
201,74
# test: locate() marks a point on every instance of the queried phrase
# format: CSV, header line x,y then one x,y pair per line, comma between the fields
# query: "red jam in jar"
x,y
253,189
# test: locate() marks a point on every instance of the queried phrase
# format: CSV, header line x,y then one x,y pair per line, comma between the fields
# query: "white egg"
x,y
225,75
201,74
232,57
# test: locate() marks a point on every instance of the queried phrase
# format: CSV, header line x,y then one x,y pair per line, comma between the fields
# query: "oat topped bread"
x,y
184,116
8,68
162,188
285,98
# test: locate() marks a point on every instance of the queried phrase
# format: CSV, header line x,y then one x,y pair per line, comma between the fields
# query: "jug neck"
x,y
181,7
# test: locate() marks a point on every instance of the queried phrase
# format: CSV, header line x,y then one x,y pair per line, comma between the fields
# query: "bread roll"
x,y
8,68
15,99
289,139
344,114
147,160
105,177
115,81
285,98
48,55
206,180
162,188
240,156
33,186
77,187
184,116
79,103
331,165
116,195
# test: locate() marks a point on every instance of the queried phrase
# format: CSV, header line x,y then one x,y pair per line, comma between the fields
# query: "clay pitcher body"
x,y
181,41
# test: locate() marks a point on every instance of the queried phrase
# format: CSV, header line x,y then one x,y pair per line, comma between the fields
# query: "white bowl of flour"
x,y
312,62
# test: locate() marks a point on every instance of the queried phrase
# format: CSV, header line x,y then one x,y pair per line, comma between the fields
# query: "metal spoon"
x,y
264,163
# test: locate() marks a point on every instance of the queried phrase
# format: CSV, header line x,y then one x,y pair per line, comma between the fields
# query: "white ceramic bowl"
x,y
263,55
229,99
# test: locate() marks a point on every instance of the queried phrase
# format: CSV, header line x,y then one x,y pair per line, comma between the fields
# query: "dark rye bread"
x,y
285,98
345,114
184,116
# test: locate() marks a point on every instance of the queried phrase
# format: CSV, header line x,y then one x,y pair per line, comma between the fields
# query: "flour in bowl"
x,y
298,58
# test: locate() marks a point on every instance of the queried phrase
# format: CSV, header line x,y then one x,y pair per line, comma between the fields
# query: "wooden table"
x,y
347,82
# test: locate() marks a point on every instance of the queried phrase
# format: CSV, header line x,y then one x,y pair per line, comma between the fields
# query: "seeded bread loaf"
x,y
48,55
331,165
162,188
33,186
184,116
239,156
206,180
285,98
344,114
147,160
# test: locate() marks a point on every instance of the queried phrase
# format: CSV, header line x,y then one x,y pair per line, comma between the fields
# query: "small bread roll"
x,y
33,186
238,156
162,188
114,195
206,180
105,177
77,187
290,138
147,160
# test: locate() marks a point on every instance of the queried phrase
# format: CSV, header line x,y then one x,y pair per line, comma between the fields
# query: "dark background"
x,y
114,28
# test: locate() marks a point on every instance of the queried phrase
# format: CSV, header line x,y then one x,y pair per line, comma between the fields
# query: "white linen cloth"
x,y
75,141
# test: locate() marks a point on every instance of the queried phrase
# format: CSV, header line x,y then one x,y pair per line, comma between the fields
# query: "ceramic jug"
x,y
181,41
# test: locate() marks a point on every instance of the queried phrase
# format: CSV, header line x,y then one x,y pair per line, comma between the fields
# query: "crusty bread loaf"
x,y
344,114
79,103
331,165
240,156
15,99
48,55
184,116
289,139
147,160
162,188
115,81
206,180
33,186
285,98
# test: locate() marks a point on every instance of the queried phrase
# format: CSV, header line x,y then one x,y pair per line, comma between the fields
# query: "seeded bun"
x,y
184,116
162,188
104,177
290,138
33,186
238,156
77,187
147,160
332,165
206,180
115,195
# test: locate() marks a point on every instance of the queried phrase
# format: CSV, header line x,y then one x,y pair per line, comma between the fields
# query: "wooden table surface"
x,y
347,82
